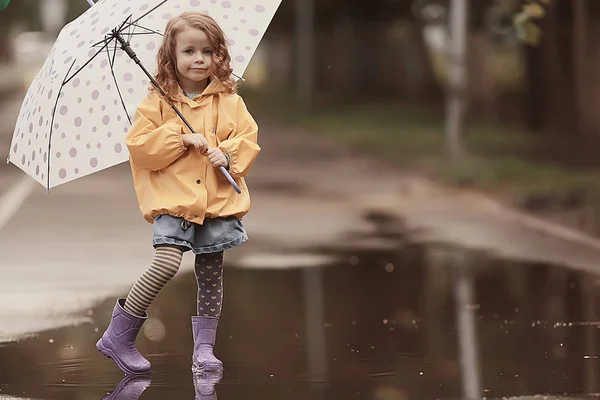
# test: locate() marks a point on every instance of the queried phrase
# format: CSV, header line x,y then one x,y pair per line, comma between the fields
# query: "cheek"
x,y
178,62
182,63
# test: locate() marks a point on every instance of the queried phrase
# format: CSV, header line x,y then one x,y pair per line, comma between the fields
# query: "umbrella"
x,y
77,110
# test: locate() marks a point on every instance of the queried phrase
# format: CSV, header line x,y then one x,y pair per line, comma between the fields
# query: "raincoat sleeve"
x,y
153,144
242,146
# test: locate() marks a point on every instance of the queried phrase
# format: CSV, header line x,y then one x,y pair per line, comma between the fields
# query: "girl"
x,y
190,203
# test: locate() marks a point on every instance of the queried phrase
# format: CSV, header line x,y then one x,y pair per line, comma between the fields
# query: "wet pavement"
x,y
378,324
342,306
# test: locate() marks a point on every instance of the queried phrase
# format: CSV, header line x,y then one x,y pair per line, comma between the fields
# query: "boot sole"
x,y
108,353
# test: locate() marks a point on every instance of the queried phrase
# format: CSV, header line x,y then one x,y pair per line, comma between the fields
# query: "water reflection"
x,y
415,323
204,385
130,388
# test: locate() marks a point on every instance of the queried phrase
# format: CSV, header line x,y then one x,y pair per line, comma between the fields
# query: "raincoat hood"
x,y
214,87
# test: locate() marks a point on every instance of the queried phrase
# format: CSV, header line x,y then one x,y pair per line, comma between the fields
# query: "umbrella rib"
x,y
86,63
111,58
147,29
150,11
131,31
112,62
143,33
120,28
52,123
109,38
102,41
112,71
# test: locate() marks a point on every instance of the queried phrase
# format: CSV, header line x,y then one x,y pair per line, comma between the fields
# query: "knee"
x,y
168,260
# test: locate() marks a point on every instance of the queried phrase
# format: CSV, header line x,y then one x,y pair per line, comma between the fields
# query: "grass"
x,y
412,137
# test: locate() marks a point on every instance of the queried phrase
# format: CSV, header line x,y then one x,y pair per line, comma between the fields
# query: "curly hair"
x,y
166,76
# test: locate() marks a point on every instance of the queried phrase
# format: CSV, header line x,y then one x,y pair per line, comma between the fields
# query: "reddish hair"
x,y
167,65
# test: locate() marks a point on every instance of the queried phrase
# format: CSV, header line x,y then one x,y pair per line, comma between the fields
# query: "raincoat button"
x,y
198,181
196,215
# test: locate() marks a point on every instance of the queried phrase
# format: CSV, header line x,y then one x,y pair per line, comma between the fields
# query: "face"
x,y
194,55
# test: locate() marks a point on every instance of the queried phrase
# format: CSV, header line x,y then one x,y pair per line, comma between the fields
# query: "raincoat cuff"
x,y
182,147
230,155
179,131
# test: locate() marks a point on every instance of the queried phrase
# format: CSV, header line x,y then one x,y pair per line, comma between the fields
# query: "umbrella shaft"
x,y
129,51
127,48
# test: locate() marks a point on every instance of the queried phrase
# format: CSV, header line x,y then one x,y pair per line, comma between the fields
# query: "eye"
x,y
189,51
208,52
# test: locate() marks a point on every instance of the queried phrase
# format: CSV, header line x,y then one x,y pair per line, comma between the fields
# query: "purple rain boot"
x,y
118,342
205,332
130,388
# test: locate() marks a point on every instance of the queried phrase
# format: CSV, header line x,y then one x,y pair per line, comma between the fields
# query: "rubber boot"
x,y
205,332
130,388
118,342
204,385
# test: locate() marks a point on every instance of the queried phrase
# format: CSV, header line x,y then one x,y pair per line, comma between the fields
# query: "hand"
x,y
217,158
196,140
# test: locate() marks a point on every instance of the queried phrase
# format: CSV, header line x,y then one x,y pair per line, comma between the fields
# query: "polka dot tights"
x,y
209,274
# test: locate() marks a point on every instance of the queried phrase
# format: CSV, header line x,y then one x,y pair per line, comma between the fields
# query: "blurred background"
x,y
522,78
436,160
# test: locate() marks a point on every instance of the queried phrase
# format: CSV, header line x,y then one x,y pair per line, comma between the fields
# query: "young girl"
x,y
180,191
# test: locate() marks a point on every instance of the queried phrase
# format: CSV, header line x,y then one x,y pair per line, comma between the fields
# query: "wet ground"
x,y
380,324
406,321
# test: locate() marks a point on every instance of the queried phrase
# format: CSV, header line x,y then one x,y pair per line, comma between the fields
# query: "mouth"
x,y
198,69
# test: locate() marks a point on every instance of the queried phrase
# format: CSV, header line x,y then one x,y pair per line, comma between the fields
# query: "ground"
x,y
86,241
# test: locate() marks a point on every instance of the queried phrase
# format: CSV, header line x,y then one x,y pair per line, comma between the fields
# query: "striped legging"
x,y
208,269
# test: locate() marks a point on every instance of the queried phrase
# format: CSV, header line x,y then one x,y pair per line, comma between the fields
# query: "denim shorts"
x,y
214,235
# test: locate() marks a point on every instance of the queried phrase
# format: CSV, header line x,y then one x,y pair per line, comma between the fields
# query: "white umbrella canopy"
x,y
79,106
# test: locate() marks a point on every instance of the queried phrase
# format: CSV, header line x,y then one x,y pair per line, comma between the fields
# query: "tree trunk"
x,y
580,71
430,87
551,102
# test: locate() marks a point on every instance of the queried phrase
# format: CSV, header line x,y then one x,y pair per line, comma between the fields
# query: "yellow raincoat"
x,y
170,179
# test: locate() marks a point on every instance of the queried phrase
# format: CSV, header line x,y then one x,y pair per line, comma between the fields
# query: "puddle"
x,y
379,324
284,261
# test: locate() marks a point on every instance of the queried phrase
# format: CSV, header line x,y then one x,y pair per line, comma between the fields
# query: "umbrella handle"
x,y
230,179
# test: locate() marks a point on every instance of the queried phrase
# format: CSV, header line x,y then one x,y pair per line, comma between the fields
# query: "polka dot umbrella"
x,y
80,104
